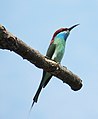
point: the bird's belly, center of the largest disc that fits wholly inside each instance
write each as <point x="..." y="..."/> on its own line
<point x="58" y="55"/>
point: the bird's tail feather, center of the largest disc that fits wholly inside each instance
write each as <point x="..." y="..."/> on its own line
<point x="35" y="99"/>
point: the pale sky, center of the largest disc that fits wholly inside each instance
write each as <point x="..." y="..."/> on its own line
<point x="34" y="22"/>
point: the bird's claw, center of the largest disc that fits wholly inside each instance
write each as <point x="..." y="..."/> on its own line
<point x="47" y="57"/>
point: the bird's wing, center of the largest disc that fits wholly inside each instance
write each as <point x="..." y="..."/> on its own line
<point x="47" y="75"/>
<point x="51" y="50"/>
<point x="46" y="78"/>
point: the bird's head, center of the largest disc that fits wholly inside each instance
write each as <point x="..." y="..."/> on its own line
<point x="63" y="32"/>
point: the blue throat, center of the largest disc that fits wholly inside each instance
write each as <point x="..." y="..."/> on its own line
<point x="62" y="36"/>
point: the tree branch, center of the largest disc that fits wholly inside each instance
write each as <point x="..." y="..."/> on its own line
<point x="12" y="43"/>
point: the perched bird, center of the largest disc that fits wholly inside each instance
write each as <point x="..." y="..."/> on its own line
<point x="55" y="52"/>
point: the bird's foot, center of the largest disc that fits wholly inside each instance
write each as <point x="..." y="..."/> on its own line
<point x="47" y="57"/>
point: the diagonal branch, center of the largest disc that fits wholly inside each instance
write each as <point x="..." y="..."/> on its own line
<point x="12" y="43"/>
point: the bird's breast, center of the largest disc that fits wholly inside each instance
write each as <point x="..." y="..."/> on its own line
<point x="59" y="50"/>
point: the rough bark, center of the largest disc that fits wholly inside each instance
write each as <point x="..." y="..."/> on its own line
<point x="12" y="43"/>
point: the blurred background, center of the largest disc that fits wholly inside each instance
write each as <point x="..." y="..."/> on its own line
<point x="34" y="22"/>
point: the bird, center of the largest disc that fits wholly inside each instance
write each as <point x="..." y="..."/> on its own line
<point x="55" y="52"/>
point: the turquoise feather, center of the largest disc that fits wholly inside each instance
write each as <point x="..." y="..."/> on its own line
<point x="55" y="52"/>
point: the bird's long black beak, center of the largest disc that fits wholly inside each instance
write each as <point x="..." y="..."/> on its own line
<point x="73" y="27"/>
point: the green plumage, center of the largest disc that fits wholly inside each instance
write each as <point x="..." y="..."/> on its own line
<point x="55" y="52"/>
